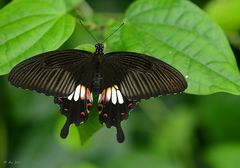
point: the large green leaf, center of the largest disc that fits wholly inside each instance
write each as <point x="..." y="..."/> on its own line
<point x="181" y="34"/>
<point x="29" y="27"/>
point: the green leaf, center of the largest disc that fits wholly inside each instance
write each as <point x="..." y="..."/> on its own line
<point x="181" y="34"/>
<point x="86" y="47"/>
<point x="114" y="42"/>
<point x="29" y="27"/>
<point x="70" y="4"/>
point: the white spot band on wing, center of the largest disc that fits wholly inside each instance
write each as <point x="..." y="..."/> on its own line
<point x="70" y="96"/>
<point x="120" y="98"/>
<point x="77" y="93"/>
<point x="114" y="96"/>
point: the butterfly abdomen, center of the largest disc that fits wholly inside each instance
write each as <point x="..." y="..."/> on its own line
<point x="97" y="82"/>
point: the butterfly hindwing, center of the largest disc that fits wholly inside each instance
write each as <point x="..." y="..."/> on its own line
<point x="140" y="76"/>
<point x="113" y="108"/>
<point x="54" y="73"/>
<point x="75" y="107"/>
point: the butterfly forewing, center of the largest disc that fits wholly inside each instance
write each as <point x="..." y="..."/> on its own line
<point x="54" y="73"/>
<point x="140" y="76"/>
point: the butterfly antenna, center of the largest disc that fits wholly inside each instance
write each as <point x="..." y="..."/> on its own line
<point x="119" y="27"/>
<point x="88" y="31"/>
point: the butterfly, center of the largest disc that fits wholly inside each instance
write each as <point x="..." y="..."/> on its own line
<point x="120" y="79"/>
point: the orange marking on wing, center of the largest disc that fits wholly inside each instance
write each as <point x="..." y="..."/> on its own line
<point x="88" y="94"/>
<point x="103" y="95"/>
<point x="83" y="90"/>
<point x="89" y="106"/>
<point x="82" y="113"/>
<point x="130" y="105"/>
<point x="108" y="94"/>
<point x="100" y="108"/>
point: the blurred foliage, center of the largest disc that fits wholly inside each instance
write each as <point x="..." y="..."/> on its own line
<point x="3" y="140"/>
<point x="224" y="155"/>
<point x="226" y="14"/>
<point x="181" y="131"/>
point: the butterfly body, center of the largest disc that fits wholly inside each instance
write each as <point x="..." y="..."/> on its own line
<point x="120" y="79"/>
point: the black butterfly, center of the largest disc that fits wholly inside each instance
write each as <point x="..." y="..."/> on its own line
<point x="121" y="79"/>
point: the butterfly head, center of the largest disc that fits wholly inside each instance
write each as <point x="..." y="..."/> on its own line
<point x="99" y="48"/>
